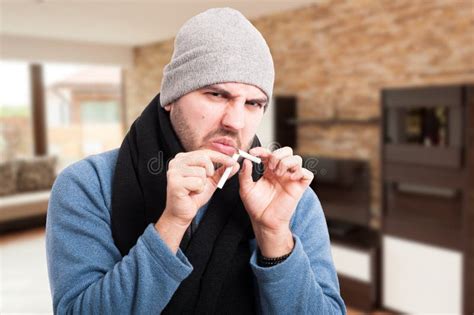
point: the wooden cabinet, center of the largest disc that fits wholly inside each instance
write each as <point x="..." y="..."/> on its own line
<point x="356" y="258"/>
<point x="427" y="217"/>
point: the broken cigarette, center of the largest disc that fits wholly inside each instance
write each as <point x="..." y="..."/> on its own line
<point x="227" y="171"/>
<point x="250" y="157"/>
<point x="236" y="156"/>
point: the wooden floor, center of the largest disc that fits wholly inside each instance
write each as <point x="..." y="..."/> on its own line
<point x="352" y="311"/>
<point x="24" y="286"/>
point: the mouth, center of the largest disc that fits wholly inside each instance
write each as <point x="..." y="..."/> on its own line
<point x="224" y="145"/>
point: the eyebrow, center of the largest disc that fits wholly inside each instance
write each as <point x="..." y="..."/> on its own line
<point x="226" y="93"/>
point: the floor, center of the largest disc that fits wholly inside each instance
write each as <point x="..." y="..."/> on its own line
<point x="24" y="284"/>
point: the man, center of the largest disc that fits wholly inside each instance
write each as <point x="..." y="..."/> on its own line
<point x="144" y="229"/>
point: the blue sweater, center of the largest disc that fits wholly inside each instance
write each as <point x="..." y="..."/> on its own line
<point x="88" y="275"/>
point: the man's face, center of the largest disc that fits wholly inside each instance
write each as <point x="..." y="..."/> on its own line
<point x="222" y="117"/>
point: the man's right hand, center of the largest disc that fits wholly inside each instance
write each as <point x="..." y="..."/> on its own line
<point x="192" y="181"/>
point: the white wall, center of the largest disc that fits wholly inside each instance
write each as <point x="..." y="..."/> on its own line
<point x="46" y="50"/>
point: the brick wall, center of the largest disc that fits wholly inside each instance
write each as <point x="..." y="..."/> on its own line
<point x="336" y="57"/>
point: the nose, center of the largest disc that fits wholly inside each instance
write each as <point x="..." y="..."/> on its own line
<point x="234" y="116"/>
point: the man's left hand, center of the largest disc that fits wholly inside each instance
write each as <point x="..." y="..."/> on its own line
<point x="272" y="200"/>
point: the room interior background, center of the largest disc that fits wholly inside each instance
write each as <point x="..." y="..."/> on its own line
<point x="341" y="68"/>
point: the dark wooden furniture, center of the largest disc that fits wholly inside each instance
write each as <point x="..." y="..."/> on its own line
<point x="284" y="116"/>
<point x="469" y="206"/>
<point x="343" y="187"/>
<point x="364" y="242"/>
<point x="427" y="177"/>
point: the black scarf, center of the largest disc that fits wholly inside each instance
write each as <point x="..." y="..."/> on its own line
<point x="221" y="280"/>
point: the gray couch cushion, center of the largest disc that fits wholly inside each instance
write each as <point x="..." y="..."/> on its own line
<point x="37" y="173"/>
<point x="8" y="178"/>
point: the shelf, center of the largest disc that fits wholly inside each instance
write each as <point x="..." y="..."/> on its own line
<point x="421" y="155"/>
<point x="427" y="96"/>
<point x="356" y="213"/>
<point x="425" y="212"/>
<point x="358" y="237"/>
<point x="358" y="294"/>
<point x="419" y="209"/>
<point x="431" y="234"/>
<point x="424" y="175"/>
<point x="336" y="121"/>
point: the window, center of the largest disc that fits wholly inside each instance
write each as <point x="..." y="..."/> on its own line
<point x="100" y="112"/>
<point x="84" y="110"/>
<point x="16" y="138"/>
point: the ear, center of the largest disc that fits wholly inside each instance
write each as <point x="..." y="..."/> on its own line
<point x="168" y="107"/>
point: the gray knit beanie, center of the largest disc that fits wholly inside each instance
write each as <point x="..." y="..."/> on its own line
<point x="216" y="46"/>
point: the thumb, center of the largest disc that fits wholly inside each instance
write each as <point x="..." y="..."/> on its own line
<point x="245" y="176"/>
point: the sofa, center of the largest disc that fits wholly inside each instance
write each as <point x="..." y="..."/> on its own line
<point x="24" y="191"/>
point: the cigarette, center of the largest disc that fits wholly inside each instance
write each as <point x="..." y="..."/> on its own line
<point x="227" y="171"/>
<point x="250" y="157"/>
<point x="236" y="156"/>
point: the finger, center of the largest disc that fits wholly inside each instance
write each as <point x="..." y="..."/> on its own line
<point x="218" y="157"/>
<point x="193" y="184"/>
<point x="297" y="175"/>
<point x="184" y="161"/>
<point x="279" y="154"/>
<point x="245" y="176"/>
<point x="307" y="175"/>
<point x="193" y="171"/>
<point x="260" y="152"/>
<point x="204" y="158"/>
<point x="199" y="160"/>
<point x="302" y="174"/>
<point x="263" y="153"/>
<point x="290" y="163"/>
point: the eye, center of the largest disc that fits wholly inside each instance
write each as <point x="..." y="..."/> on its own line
<point x="255" y="104"/>
<point x="215" y="94"/>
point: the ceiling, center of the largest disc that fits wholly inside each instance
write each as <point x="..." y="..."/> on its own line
<point x="121" y="22"/>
